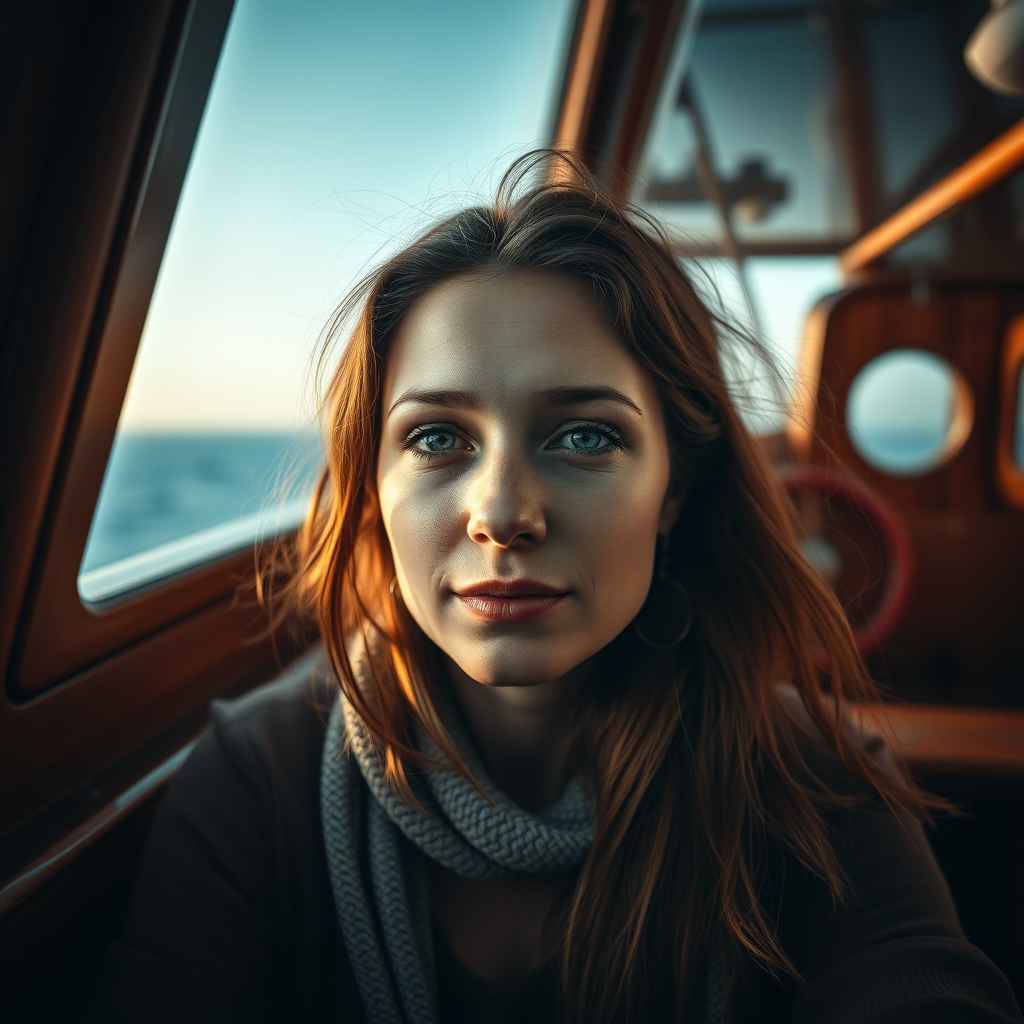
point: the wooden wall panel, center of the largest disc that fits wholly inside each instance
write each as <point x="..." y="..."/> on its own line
<point x="961" y="639"/>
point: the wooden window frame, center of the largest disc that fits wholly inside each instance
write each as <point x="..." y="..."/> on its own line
<point x="62" y="633"/>
<point x="106" y="159"/>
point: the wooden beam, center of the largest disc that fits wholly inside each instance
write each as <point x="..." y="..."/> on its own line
<point x="856" y="116"/>
<point x="995" y="162"/>
<point x="628" y="122"/>
<point x="581" y="80"/>
<point x="614" y="75"/>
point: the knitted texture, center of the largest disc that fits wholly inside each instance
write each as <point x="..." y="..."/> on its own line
<point x="381" y="881"/>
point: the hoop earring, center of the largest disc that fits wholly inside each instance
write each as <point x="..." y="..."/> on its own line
<point x="391" y="589"/>
<point x="674" y="598"/>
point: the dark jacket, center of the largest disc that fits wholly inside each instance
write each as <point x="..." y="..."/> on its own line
<point x="233" y="917"/>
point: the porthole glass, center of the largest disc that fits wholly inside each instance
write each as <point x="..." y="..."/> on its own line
<point x="908" y="411"/>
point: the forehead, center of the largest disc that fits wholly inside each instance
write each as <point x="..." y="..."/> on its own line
<point x="503" y="335"/>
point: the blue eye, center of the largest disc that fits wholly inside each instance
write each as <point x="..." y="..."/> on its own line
<point x="586" y="440"/>
<point x="430" y="441"/>
<point x="439" y="441"/>
<point x="589" y="440"/>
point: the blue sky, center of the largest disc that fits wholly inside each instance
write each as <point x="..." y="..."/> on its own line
<point x="333" y="131"/>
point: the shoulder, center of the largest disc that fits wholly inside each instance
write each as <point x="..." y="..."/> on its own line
<point x="260" y="756"/>
<point x="232" y="911"/>
<point x="883" y="945"/>
<point x="281" y="718"/>
<point x="894" y="886"/>
<point x="243" y="812"/>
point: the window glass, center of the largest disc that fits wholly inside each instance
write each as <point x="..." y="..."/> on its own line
<point x="779" y="293"/>
<point x="915" y="104"/>
<point x="766" y="92"/>
<point x="331" y="130"/>
<point x="763" y="88"/>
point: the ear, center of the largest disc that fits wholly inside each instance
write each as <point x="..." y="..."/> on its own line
<point x="670" y="508"/>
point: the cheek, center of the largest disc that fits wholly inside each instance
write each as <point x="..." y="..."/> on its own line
<point x="615" y="534"/>
<point x="422" y="527"/>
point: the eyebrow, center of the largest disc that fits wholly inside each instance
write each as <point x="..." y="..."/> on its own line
<point x="445" y="399"/>
<point x="580" y="395"/>
<point x="553" y="396"/>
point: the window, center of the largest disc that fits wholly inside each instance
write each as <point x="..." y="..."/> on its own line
<point x="759" y="95"/>
<point x="754" y="106"/>
<point x="772" y="300"/>
<point x="912" y="91"/>
<point x="329" y="130"/>
<point x="908" y="412"/>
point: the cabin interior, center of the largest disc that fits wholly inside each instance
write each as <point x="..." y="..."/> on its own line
<point x="845" y="176"/>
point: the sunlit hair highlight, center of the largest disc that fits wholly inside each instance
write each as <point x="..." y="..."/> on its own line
<point x="702" y="767"/>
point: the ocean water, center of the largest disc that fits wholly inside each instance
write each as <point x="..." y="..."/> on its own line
<point x="898" y="452"/>
<point x="160" y="488"/>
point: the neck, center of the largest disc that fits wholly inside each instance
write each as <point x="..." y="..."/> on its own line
<point x="522" y="734"/>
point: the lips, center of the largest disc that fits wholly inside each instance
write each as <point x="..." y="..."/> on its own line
<point x="510" y="600"/>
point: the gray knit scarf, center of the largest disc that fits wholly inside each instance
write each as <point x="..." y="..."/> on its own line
<point x="381" y="882"/>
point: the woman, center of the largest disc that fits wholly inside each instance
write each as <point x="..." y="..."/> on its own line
<point x="580" y="759"/>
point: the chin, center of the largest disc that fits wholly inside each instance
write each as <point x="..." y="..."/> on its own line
<point x="517" y="663"/>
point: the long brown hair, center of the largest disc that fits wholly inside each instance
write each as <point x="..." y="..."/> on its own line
<point x="697" y="766"/>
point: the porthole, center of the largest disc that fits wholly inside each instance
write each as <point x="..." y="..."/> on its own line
<point x="908" y="412"/>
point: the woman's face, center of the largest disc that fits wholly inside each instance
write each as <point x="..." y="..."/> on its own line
<point x="523" y="474"/>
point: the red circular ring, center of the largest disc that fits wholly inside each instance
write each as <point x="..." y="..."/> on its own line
<point x="898" y="549"/>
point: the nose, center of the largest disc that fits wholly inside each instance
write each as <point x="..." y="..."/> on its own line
<point x="505" y="501"/>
